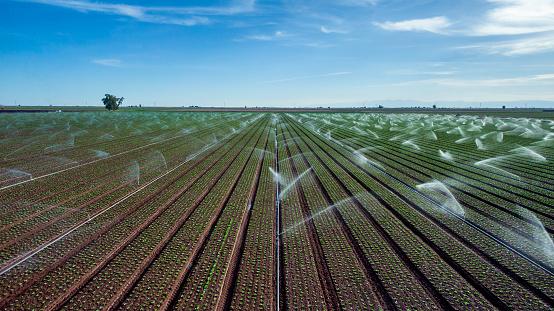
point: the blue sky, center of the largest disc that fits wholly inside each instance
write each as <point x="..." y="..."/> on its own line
<point x="275" y="53"/>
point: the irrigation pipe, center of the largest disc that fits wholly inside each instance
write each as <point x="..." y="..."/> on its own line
<point x="277" y="236"/>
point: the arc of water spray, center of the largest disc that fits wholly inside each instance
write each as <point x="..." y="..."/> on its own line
<point x="446" y="155"/>
<point x="328" y="135"/>
<point x="292" y="183"/>
<point x="100" y="153"/>
<point x="276" y="176"/>
<point x="431" y="135"/>
<point x="485" y="163"/>
<point x="12" y="174"/>
<point x="14" y="171"/>
<point x="363" y="159"/>
<point x="524" y="151"/>
<point x="411" y="144"/>
<point x="294" y="156"/>
<point x="479" y="144"/>
<point x="372" y="133"/>
<point x="463" y="140"/>
<point x="540" y="235"/>
<point x="314" y="215"/>
<point x="397" y="137"/>
<point x="279" y="135"/>
<point x="9" y="154"/>
<point x="438" y="191"/>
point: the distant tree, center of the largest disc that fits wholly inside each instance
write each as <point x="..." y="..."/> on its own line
<point x="111" y="102"/>
<point x="434" y="106"/>
<point x="503" y="107"/>
<point x="380" y="106"/>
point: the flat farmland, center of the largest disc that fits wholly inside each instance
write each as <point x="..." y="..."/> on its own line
<point x="275" y="211"/>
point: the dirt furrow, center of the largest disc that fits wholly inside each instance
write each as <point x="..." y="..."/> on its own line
<point x="176" y="287"/>
<point x="229" y="280"/>
<point x="378" y="288"/>
<point x="324" y="274"/>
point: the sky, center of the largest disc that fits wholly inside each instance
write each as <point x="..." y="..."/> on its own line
<point x="287" y="53"/>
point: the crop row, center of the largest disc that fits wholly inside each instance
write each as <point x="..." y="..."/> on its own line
<point x="133" y="212"/>
<point x="422" y="274"/>
<point x="395" y="206"/>
<point x="167" y="226"/>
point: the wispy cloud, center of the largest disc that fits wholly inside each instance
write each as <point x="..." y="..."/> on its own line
<point x="186" y="16"/>
<point x="260" y="37"/>
<point x="413" y="72"/>
<point x="329" y="30"/>
<point x="542" y="79"/>
<point x="357" y="2"/>
<point x="309" y="77"/>
<point x="108" y="62"/>
<point x="436" y="25"/>
<point x="513" y="17"/>
<point x="532" y="45"/>
<point x="317" y="45"/>
<point x="266" y="37"/>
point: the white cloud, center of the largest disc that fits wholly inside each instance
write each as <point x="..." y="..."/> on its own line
<point x="309" y="77"/>
<point x="513" y="17"/>
<point x="281" y="34"/>
<point x="276" y="35"/>
<point x="436" y="25"/>
<point x="327" y="30"/>
<point x="318" y="45"/>
<point x="108" y="62"/>
<point x="260" y="37"/>
<point x="186" y="16"/>
<point x="128" y="10"/>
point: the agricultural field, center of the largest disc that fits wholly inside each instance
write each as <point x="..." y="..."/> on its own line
<point x="166" y="210"/>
